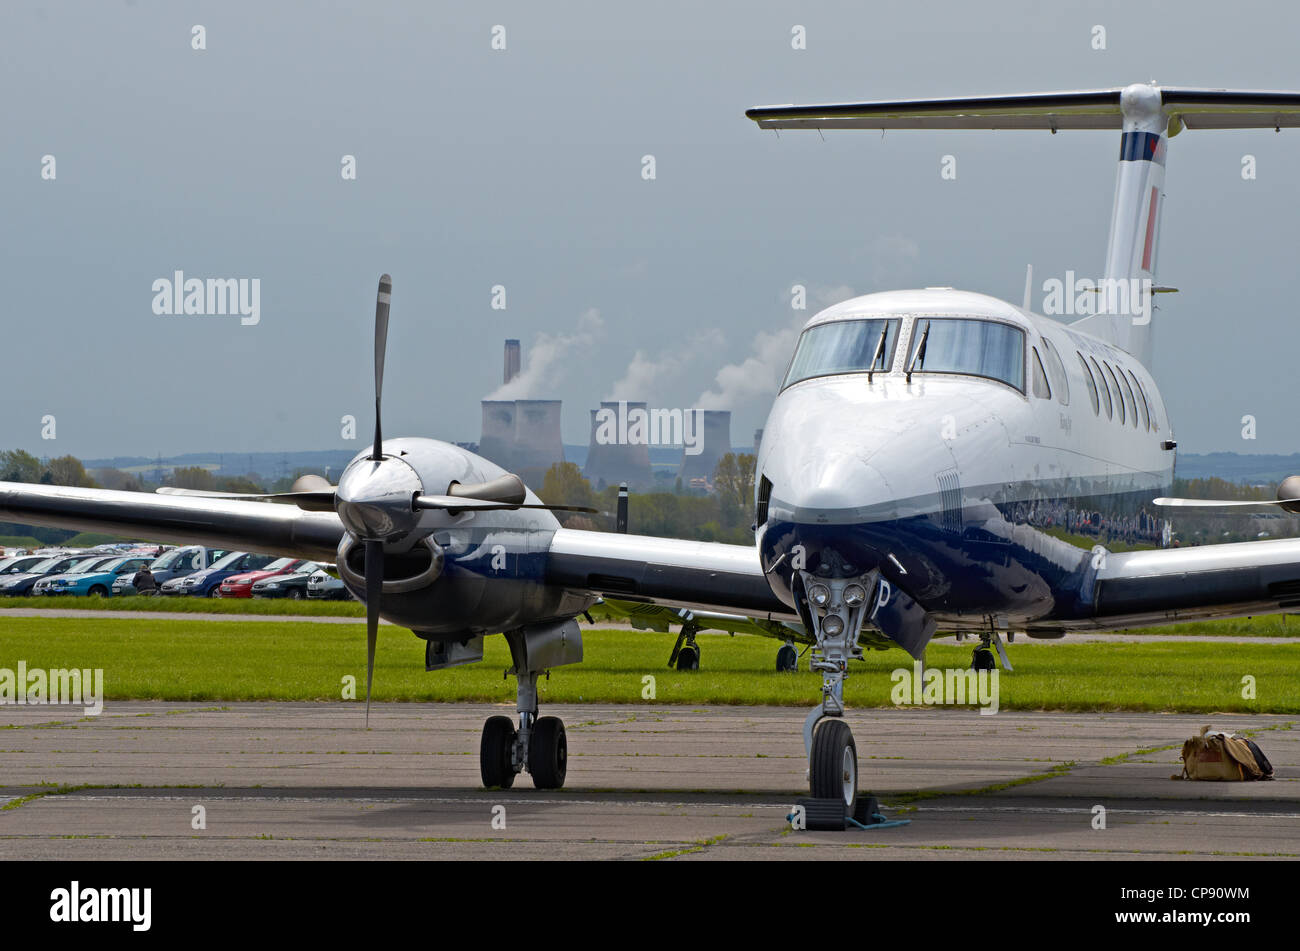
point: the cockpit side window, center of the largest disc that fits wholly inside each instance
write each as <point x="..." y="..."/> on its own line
<point x="1056" y="370"/>
<point x="985" y="348"/>
<point x="1041" y="388"/>
<point x="844" y="346"/>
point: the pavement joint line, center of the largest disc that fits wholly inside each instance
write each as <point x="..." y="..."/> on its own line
<point x="484" y="796"/>
<point x="1116" y="811"/>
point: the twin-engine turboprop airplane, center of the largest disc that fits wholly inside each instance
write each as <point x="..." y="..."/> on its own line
<point x="928" y="459"/>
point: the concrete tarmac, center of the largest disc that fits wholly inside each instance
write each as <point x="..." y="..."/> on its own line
<point x="307" y="780"/>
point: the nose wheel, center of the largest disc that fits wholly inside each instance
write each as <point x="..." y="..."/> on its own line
<point x="833" y="763"/>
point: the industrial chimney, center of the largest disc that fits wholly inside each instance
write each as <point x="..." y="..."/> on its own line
<point x="512" y="360"/>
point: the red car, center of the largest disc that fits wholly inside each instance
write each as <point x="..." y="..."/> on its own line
<point x="241" y="586"/>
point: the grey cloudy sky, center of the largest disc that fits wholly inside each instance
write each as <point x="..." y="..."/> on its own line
<point x="523" y="168"/>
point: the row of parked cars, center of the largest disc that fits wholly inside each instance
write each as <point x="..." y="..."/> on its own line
<point x="192" y="571"/>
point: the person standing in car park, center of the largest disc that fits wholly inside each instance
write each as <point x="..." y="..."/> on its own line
<point x="144" y="583"/>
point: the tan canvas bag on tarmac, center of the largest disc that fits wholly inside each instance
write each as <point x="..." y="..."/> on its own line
<point x="1218" y="756"/>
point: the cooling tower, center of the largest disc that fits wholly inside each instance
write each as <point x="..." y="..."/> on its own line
<point x="612" y="462"/>
<point x="537" y="441"/>
<point x="498" y="438"/>
<point x="715" y="442"/>
<point x="512" y="361"/>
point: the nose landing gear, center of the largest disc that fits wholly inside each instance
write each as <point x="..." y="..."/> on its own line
<point x="836" y="608"/>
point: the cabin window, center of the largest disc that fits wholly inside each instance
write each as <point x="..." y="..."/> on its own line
<point x="844" y="346"/>
<point x="1149" y="412"/>
<point x="1056" y="371"/>
<point x="1041" y="388"/>
<point x="984" y="348"/>
<point x="1104" y="387"/>
<point x="1119" y="397"/>
<point x="1092" y="384"/>
<point x="1128" y="398"/>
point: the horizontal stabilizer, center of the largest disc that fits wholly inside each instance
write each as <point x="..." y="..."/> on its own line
<point x="1082" y="109"/>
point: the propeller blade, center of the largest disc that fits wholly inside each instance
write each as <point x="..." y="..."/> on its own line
<point x="1217" y="503"/>
<point x="374" y="588"/>
<point x="381" y="346"/>
<point x="313" y="501"/>
<point x="452" y="503"/>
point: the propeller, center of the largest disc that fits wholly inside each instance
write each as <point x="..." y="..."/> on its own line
<point x="1222" y="503"/>
<point x="320" y="500"/>
<point x="454" y="504"/>
<point x="374" y="565"/>
<point x="1288" y="498"/>
<point x="374" y="588"/>
<point x="381" y="345"/>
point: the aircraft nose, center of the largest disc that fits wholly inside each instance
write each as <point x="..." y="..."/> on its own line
<point x="836" y="487"/>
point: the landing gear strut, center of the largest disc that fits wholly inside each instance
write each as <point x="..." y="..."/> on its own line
<point x="538" y="745"/>
<point x="982" y="656"/>
<point x="836" y="608"/>
<point x="686" y="653"/>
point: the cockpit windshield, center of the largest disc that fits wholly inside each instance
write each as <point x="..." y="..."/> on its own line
<point x="844" y="346"/>
<point x="973" y="347"/>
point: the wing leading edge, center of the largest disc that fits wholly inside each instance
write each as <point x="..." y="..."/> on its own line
<point x="699" y="576"/>
<point x="1211" y="581"/>
<point x="180" y="520"/>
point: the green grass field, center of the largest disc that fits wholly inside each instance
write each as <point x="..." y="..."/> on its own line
<point x="271" y="660"/>
<point x="1272" y="625"/>
<point x="278" y="606"/>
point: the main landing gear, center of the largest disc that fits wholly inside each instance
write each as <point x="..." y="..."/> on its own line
<point x="686" y="652"/>
<point x="538" y="745"/>
<point x="982" y="657"/>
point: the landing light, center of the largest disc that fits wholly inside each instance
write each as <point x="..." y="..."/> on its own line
<point x="819" y="595"/>
<point x="854" y="595"/>
<point x="833" y="625"/>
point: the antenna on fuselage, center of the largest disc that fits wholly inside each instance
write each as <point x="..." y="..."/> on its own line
<point x="1029" y="287"/>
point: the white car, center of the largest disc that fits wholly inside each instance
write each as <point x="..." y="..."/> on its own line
<point x="324" y="586"/>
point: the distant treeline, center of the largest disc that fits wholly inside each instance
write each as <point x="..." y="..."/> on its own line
<point x="725" y="515"/>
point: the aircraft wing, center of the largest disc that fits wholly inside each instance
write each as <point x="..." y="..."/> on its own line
<point x="1163" y="586"/>
<point x="699" y="576"/>
<point x="180" y="520"/>
<point x="659" y="617"/>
